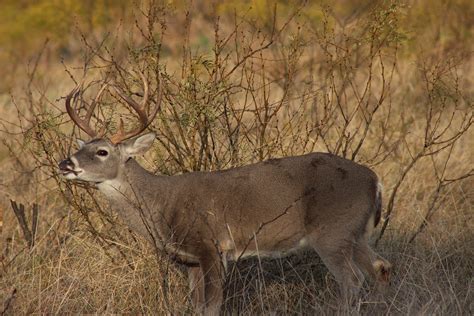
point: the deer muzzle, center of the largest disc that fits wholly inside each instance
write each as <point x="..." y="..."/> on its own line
<point x="66" y="167"/>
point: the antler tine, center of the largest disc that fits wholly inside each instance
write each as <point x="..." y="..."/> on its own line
<point x="92" y="106"/>
<point x="160" y="97"/>
<point x="82" y="124"/>
<point x="141" y="109"/>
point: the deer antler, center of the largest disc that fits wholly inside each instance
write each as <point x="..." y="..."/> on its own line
<point x="141" y="109"/>
<point x="84" y="124"/>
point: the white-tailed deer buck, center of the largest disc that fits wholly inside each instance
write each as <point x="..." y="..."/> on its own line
<point x="203" y="219"/>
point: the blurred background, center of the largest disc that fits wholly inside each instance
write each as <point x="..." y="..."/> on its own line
<point x="51" y="27"/>
<point x="388" y="84"/>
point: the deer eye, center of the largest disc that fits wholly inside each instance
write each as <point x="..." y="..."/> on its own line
<point x="102" y="153"/>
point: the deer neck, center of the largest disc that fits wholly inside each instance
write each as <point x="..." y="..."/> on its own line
<point x="137" y="195"/>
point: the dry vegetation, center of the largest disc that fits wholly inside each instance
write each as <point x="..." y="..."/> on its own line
<point x="242" y="86"/>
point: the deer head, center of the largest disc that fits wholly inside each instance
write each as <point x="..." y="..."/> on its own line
<point x="101" y="158"/>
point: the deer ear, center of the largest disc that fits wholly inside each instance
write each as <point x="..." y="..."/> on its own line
<point x="80" y="143"/>
<point x="139" y="145"/>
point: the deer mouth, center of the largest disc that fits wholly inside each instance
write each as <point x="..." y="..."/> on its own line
<point x="69" y="173"/>
<point x="66" y="172"/>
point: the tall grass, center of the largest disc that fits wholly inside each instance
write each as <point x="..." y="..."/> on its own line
<point x="240" y="89"/>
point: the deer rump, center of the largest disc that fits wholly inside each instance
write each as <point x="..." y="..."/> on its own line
<point x="269" y="208"/>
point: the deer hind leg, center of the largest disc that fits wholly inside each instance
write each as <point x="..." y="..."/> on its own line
<point x="373" y="264"/>
<point x="338" y="258"/>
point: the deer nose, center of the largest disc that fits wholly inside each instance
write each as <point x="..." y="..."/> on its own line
<point x="66" y="164"/>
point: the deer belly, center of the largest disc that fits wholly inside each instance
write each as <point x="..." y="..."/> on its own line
<point x="266" y="252"/>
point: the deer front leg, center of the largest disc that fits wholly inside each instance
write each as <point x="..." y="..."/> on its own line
<point x="196" y="286"/>
<point x="213" y="284"/>
<point x="206" y="285"/>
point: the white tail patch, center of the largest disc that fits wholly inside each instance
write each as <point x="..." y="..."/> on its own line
<point x="378" y="195"/>
<point x="369" y="228"/>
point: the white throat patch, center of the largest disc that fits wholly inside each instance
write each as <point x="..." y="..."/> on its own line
<point x="112" y="188"/>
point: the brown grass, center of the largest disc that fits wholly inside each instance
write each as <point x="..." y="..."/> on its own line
<point x="277" y="87"/>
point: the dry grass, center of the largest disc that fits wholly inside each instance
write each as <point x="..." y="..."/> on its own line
<point x="327" y="87"/>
